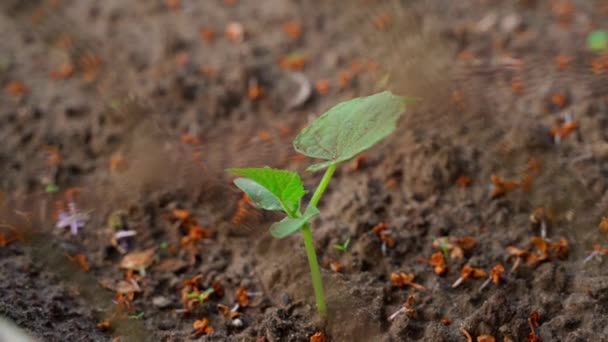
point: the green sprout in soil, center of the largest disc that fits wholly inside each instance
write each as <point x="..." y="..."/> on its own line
<point x="343" y="247"/>
<point x="138" y="316"/>
<point x="201" y="297"/>
<point x="340" y="134"/>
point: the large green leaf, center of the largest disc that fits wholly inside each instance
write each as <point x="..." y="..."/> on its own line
<point x="598" y="41"/>
<point x="259" y="194"/>
<point x="289" y="226"/>
<point x="272" y="185"/>
<point x="350" y="128"/>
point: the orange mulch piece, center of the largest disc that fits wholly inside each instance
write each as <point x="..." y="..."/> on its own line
<point x="65" y="71"/>
<point x="125" y="300"/>
<point x="322" y="87"/>
<point x="243" y="210"/>
<point x="90" y="65"/>
<point x="402" y="279"/>
<point x="358" y="163"/>
<point x="195" y="234"/>
<point x="173" y="4"/>
<point x="81" y="261"/>
<point x="562" y="62"/>
<point x="201" y="327"/>
<point x="117" y="162"/>
<point x="533" y="322"/>
<point x="463" y="181"/>
<point x="242" y="297"/>
<point x="560" y="247"/>
<point x="182" y="215"/>
<point x="599" y="65"/>
<point x="207" y="35"/>
<point x="255" y="92"/>
<point x="334" y="266"/>
<point x="294" y="62"/>
<point x="542" y="247"/>
<point x="559" y="100"/>
<point x="382" y="231"/>
<point x="105" y="324"/>
<point x="293" y="30"/>
<point x="5" y="240"/>
<point x="517" y="86"/>
<point x="496" y="273"/>
<point x="53" y="157"/>
<point x="501" y="186"/>
<point x="344" y="79"/>
<point x="190" y="139"/>
<point x="318" y="337"/>
<point x="564" y="130"/>
<point x="470" y="272"/>
<point x="604" y="225"/>
<point x="65" y="42"/>
<point x="563" y="10"/>
<point x="16" y="89"/>
<point x="485" y="338"/>
<point x="382" y="21"/>
<point x="465" y="56"/>
<point x="438" y="262"/>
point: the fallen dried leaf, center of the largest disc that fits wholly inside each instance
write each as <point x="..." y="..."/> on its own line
<point x="138" y="260"/>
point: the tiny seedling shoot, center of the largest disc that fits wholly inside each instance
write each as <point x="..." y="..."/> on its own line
<point x="340" y="134"/>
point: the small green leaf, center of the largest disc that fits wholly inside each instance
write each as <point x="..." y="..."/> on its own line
<point x="350" y="128"/>
<point x="259" y="194"/>
<point x="289" y="226"/>
<point x="343" y="247"/>
<point x="598" y="40"/>
<point x="273" y="186"/>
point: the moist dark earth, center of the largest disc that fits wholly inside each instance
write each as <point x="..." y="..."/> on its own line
<point x="133" y="109"/>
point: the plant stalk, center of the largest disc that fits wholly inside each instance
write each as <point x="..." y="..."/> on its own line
<point x="315" y="272"/>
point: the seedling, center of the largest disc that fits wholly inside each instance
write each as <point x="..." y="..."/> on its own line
<point x="402" y="279"/>
<point x="342" y="247"/>
<point x="339" y="135"/>
<point x="202" y="296"/>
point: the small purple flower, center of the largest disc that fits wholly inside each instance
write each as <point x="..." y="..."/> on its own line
<point x="72" y="219"/>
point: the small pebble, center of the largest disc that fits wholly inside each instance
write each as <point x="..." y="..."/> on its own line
<point x="161" y="302"/>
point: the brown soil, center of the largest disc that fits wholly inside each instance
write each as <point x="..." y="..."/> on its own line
<point x="110" y="97"/>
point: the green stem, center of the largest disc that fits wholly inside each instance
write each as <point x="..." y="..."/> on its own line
<point x="315" y="272"/>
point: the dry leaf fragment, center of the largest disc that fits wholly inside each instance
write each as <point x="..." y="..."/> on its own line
<point x="80" y="260"/>
<point x="138" y="260"/>
<point x="242" y="297"/>
<point x="318" y="337"/>
<point x="16" y="89"/>
<point x="469" y="272"/>
<point x="322" y="87"/>
<point x="604" y="225"/>
<point x="501" y="186"/>
<point x="438" y="262"/>
<point x="402" y="279"/>
<point x="293" y="30"/>
<point x="207" y="35"/>
<point x="235" y="32"/>
<point x="202" y="327"/>
<point x="485" y="338"/>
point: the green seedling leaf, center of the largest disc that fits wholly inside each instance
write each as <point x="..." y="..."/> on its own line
<point x="259" y="194"/>
<point x="343" y="247"/>
<point x="272" y="189"/>
<point x="350" y="128"/>
<point x="598" y="41"/>
<point x="289" y="226"/>
<point x="51" y="188"/>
